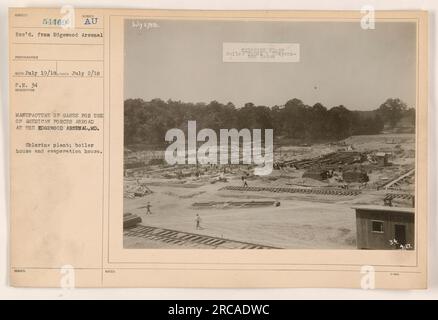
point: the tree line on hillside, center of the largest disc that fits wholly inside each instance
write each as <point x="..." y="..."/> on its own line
<point x="146" y="122"/>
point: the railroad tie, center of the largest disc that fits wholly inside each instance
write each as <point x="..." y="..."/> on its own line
<point x="204" y="240"/>
<point x="215" y="242"/>
<point x="210" y="241"/>
<point x="186" y="237"/>
<point x="163" y="233"/>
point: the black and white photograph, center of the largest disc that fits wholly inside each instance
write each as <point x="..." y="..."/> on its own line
<point x="263" y="134"/>
<point x="200" y="151"/>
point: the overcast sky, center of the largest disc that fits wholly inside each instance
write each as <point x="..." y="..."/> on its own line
<point x="339" y="63"/>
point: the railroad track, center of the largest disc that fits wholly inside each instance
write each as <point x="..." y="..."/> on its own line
<point x="400" y="196"/>
<point x="234" y="204"/>
<point x="395" y="183"/>
<point x="329" y="192"/>
<point x="404" y="196"/>
<point x="175" y="237"/>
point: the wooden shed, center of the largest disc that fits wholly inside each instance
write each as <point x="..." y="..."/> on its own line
<point x="382" y="158"/>
<point x="317" y="174"/>
<point x="378" y="226"/>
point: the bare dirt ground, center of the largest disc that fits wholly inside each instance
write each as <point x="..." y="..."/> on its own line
<point x="294" y="224"/>
<point x="302" y="221"/>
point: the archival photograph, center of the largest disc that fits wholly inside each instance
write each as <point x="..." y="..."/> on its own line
<point x="269" y="134"/>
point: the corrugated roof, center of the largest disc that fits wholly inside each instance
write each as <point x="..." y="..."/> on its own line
<point x="385" y="208"/>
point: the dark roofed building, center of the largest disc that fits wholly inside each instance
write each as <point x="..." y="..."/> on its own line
<point x="382" y="158"/>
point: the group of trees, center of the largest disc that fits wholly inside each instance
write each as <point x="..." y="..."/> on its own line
<point x="394" y="110"/>
<point x="148" y="121"/>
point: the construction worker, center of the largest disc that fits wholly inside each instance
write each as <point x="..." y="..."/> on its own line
<point x="148" y="208"/>
<point x="198" y="222"/>
<point x="245" y="183"/>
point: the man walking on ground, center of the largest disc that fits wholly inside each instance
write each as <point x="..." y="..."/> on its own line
<point x="245" y="184"/>
<point x="148" y="208"/>
<point x="198" y="222"/>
